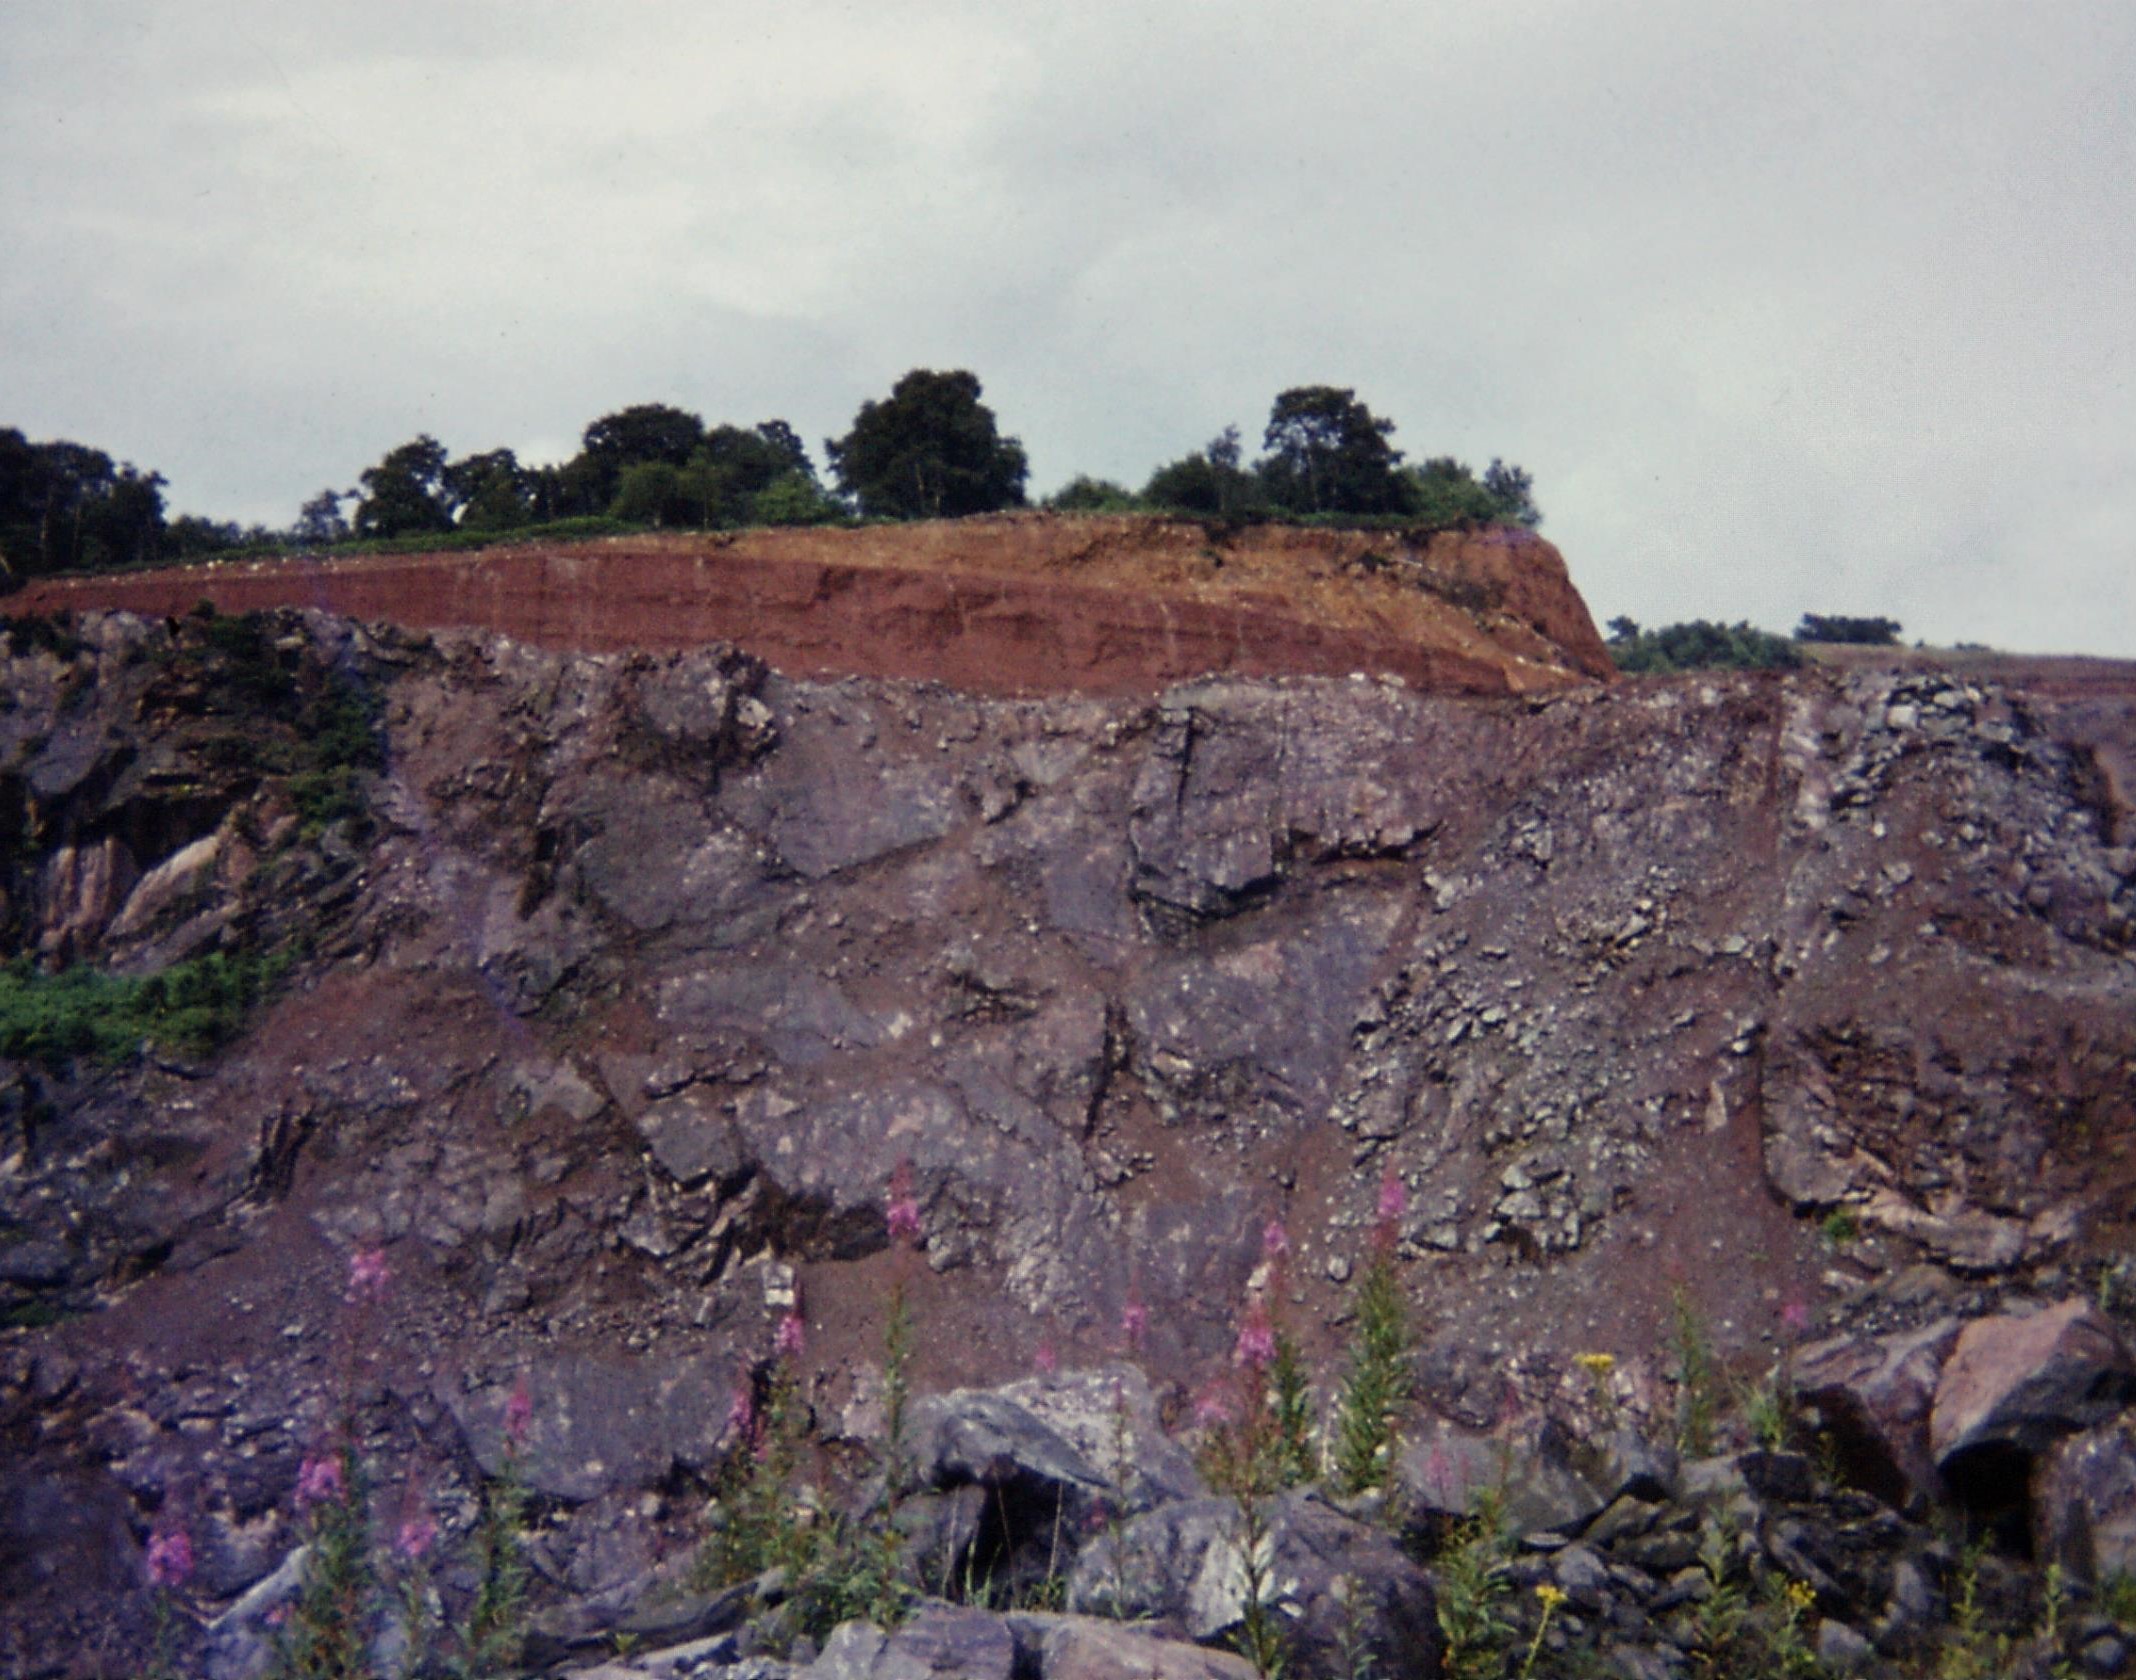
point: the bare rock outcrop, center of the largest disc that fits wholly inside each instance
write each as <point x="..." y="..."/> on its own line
<point x="610" y="994"/>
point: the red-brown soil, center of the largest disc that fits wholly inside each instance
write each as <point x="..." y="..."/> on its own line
<point x="1014" y="604"/>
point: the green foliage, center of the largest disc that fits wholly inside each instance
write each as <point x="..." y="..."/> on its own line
<point x="755" y="1521"/>
<point x="491" y="1638"/>
<point x="324" y="1638"/>
<point x="1242" y="1463"/>
<point x="1970" y="1649"/>
<point x="1768" y="1414"/>
<point x="1743" y="1628"/>
<point x="1472" y="1575"/>
<point x="1084" y="494"/>
<point x="1376" y="1386"/>
<point x="406" y="492"/>
<point x="1839" y="1228"/>
<point x="1329" y="453"/>
<point x="490" y="491"/>
<point x="930" y="450"/>
<point x="576" y="528"/>
<point x="650" y="493"/>
<point x="1697" y="1381"/>
<point x="644" y="432"/>
<point x="2116" y="1597"/>
<point x="65" y="506"/>
<point x="1290" y="1400"/>
<point x="836" y="1569"/>
<point x="1698" y="646"/>
<point x="328" y="745"/>
<point x="793" y="498"/>
<point x="193" y="1007"/>
<point x="1209" y="484"/>
<point x="1512" y="492"/>
<point x="1861" y="632"/>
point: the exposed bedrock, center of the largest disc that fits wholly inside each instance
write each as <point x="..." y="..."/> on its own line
<point x="1809" y="999"/>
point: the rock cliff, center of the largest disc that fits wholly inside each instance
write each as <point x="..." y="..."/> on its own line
<point x="614" y="989"/>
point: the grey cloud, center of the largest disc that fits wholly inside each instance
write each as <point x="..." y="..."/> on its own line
<point x="1787" y="308"/>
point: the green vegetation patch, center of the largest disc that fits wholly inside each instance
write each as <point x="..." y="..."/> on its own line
<point x="1698" y="646"/>
<point x="193" y="1007"/>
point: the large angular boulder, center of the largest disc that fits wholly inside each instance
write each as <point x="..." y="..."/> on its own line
<point x="1552" y="1484"/>
<point x="2024" y="1382"/>
<point x="1009" y="1481"/>
<point x="1333" y="1583"/>
<point x="945" y="1640"/>
<point x="1094" y="1648"/>
<point x="1873" y="1395"/>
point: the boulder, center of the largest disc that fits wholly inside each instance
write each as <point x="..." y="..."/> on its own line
<point x="604" y="1424"/>
<point x="2084" y="1502"/>
<point x="1334" y="1583"/>
<point x="1873" y="1394"/>
<point x="1092" y="1648"/>
<point x="1109" y="1416"/>
<point x="2024" y="1382"/>
<point x="943" y="1639"/>
<point x="985" y="1437"/>
<point x="1444" y="1469"/>
<point x="1037" y="1494"/>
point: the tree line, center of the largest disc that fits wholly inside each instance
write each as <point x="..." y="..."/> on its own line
<point x="1699" y="645"/>
<point x="930" y="449"/>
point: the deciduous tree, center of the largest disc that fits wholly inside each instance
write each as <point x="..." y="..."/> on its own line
<point x="1328" y="453"/>
<point x="406" y="493"/>
<point x="929" y="450"/>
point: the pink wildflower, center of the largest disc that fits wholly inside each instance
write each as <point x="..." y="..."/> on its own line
<point x="1393" y="1198"/>
<point x="903" y="1214"/>
<point x="518" y="1415"/>
<point x="369" y="1276"/>
<point x="1256" y="1346"/>
<point x="415" y="1536"/>
<point x="170" y="1557"/>
<point x="1212" y="1408"/>
<point x="791" y="1337"/>
<point x="742" y="1415"/>
<point x="1046" y="1359"/>
<point x="1275" y="1241"/>
<point x="1795" y="1314"/>
<point x="319" y="1480"/>
<point x="1134" y="1323"/>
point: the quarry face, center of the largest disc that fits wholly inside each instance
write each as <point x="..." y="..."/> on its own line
<point x="641" y="974"/>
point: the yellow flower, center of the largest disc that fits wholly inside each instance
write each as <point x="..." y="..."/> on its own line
<point x="1596" y="1365"/>
<point x="1801" y="1595"/>
<point x="1551" y="1596"/>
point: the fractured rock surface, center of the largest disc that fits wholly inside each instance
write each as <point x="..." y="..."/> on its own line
<point x="643" y="974"/>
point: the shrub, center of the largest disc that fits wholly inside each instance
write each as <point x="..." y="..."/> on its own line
<point x="1698" y="646"/>
<point x="795" y="499"/>
<point x="1376" y="1386"/>
<point x="1861" y="632"/>
<point x="193" y="1006"/>
<point x="1084" y="494"/>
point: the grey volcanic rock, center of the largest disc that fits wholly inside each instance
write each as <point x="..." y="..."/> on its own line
<point x="628" y="984"/>
<point x="941" y="1641"/>
<point x="2085" y="1501"/>
<point x="1874" y="1394"/>
<point x="2024" y="1382"/>
<point x="1330" y="1579"/>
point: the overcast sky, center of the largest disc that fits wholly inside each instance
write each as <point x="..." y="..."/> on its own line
<point x="1788" y="305"/>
